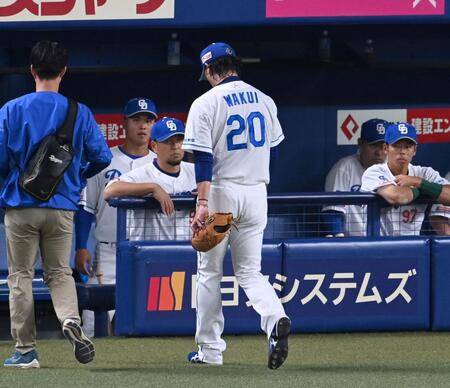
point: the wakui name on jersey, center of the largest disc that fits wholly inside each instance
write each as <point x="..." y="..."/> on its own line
<point x="241" y="98"/>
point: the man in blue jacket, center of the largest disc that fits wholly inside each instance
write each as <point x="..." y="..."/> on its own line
<point x="31" y="224"/>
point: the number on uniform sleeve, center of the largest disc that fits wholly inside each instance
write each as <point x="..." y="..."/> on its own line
<point x="256" y="126"/>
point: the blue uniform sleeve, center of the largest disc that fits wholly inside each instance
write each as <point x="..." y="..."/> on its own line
<point x="203" y="166"/>
<point x="96" y="152"/>
<point x="4" y="162"/>
<point x="83" y="222"/>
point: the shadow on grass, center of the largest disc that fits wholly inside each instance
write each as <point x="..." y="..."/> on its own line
<point x="238" y="370"/>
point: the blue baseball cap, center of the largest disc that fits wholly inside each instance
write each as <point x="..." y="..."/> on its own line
<point x="373" y="131"/>
<point x="212" y="52"/>
<point x="167" y="127"/>
<point x="140" y="105"/>
<point x="400" y="130"/>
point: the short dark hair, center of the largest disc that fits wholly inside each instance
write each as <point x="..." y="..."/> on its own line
<point x="225" y="65"/>
<point x="48" y="59"/>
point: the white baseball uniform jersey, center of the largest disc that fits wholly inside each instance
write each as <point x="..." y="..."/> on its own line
<point x="442" y="210"/>
<point x="238" y="124"/>
<point x="346" y="175"/>
<point x="106" y="220"/>
<point x="92" y="196"/>
<point x="149" y="224"/>
<point x="399" y="220"/>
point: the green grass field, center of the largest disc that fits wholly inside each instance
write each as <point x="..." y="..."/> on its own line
<point x="415" y="359"/>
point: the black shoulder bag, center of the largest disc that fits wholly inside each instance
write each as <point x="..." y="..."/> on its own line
<point x="54" y="155"/>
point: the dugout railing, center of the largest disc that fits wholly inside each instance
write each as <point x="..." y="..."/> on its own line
<point x="295" y="215"/>
<point x="293" y="221"/>
<point x="325" y="284"/>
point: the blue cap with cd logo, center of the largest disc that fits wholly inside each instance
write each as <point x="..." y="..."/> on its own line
<point x="166" y="128"/>
<point x="373" y="131"/>
<point x="140" y="105"/>
<point x="400" y="130"/>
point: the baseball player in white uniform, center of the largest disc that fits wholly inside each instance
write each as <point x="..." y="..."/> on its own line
<point x="166" y="175"/>
<point x="346" y="174"/>
<point x="399" y="183"/>
<point x="441" y="224"/>
<point x="139" y="116"/>
<point x="230" y="129"/>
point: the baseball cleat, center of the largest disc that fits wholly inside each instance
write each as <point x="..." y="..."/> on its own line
<point x="199" y="358"/>
<point x="82" y="346"/>
<point x="24" y="361"/>
<point x="278" y="343"/>
<point x="194" y="358"/>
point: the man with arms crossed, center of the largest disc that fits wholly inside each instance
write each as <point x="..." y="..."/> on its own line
<point x="230" y="130"/>
<point x="399" y="182"/>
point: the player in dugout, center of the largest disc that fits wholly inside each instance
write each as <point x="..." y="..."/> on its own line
<point x="399" y="182"/>
<point x="442" y="224"/>
<point x="345" y="176"/>
<point x="139" y="116"/>
<point x="166" y="175"/>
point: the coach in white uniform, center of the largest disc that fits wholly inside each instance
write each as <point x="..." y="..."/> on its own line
<point x="166" y="175"/>
<point x="346" y="174"/>
<point x="399" y="183"/>
<point x="231" y="129"/>
<point x="139" y="116"/>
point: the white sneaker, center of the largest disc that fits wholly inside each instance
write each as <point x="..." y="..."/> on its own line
<point x="82" y="346"/>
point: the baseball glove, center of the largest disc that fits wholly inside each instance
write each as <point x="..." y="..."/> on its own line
<point x="217" y="226"/>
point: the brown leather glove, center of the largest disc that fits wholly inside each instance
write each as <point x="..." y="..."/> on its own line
<point x="217" y="226"/>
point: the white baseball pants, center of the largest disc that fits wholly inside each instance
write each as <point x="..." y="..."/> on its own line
<point x="249" y="207"/>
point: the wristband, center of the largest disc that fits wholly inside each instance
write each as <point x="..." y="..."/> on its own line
<point x="431" y="189"/>
<point x="415" y="191"/>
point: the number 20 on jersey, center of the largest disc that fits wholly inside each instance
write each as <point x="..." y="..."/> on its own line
<point x="253" y="123"/>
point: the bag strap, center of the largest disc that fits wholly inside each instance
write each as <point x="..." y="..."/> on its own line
<point x="65" y="131"/>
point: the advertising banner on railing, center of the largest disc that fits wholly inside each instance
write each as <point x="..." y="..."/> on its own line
<point x="432" y="124"/>
<point x="337" y="8"/>
<point x="349" y="285"/>
<point x="330" y="286"/>
<point x="71" y="10"/>
<point x="111" y="125"/>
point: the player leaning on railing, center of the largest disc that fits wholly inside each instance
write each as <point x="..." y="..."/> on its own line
<point x="346" y="175"/>
<point x="399" y="182"/>
<point x="166" y="175"/>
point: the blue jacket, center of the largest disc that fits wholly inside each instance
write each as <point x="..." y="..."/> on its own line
<point x="24" y="122"/>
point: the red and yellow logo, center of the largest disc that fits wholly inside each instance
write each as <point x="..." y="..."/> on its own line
<point x="165" y="293"/>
